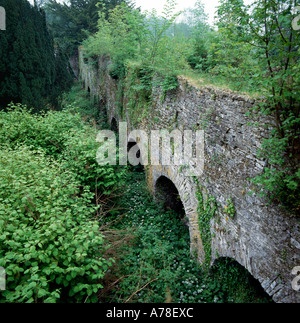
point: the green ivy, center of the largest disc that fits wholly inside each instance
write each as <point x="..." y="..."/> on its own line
<point x="230" y="208"/>
<point x="206" y="211"/>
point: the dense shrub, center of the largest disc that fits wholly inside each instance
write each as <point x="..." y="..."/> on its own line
<point x="50" y="241"/>
<point x="50" y="245"/>
<point x="64" y="136"/>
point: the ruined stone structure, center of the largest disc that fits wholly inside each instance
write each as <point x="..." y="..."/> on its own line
<point x="261" y="237"/>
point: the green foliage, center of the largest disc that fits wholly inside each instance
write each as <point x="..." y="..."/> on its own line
<point x="154" y="264"/>
<point x="50" y="244"/>
<point x="206" y="211"/>
<point x="266" y="28"/>
<point x="200" y="36"/>
<point x="64" y="136"/>
<point x="72" y="21"/>
<point x="230" y="208"/>
<point x="235" y="284"/>
<point x="46" y="131"/>
<point x="50" y="206"/>
<point x="88" y="107"/>
<point x="126" y="35"/>
<point x="279" y="181"/>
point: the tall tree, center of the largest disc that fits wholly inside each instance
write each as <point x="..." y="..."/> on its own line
<point x="267" y="27"/>
<point x="71" y="21"/>
<point x="28" y="62"/>
<point x="200" y="35"/>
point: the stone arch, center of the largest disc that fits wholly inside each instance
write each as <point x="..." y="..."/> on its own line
<point x="259" y="234"/>
<point x="167" y="193"/>
<point x="231" y="266"/>
<point x="187" y="194"/>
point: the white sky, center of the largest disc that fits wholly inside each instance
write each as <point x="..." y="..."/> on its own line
<point x="209" y="5"/>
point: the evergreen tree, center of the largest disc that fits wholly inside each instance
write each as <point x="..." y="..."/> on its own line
<point x="28" y="64"/>
<point x="71" y="22"/>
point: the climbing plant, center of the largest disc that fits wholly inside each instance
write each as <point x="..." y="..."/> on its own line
<point x="206" y="211"/>
<point x="230" y="208"/>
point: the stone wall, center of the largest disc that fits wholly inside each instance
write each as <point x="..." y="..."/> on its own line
<point x="261" y="237"/>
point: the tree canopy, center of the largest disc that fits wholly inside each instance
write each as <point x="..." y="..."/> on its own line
<point x="72" y="21"/>
<point x="32" y="70"/>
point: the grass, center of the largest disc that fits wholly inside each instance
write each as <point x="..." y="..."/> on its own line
<point x="200" y="79"/>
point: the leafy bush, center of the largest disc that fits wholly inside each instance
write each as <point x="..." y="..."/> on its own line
<point x="45" y="131"/>
<point x="79" y="156"/>
<point x="50" y="245"/>
<point x="64" y="136"/>
<point x="280" y="180"/>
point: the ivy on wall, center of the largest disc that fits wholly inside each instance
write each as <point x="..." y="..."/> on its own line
<point x="206" y="211"/>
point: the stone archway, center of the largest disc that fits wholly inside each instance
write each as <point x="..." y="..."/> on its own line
<point x="168" y="195"/>
<point x="170" y="188"/>
<point x="237" y="280"/>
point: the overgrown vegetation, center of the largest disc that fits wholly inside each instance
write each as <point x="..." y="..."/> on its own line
<point x="154" y="263"/>
<point x="71" y="230"/>
<point x="255" y="49"/>
<point x="206" y="211"/>
<point x="129" y="35"/>
<point x="71" y="22"/>
<point x="266" y="30"/>
<point x="52" y="197"/>
<point x="67" y="236"/>
<point x="32" y="70"/>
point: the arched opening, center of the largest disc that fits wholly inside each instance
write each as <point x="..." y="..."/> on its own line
<point x="89" y="90"/>
<point x="133" y="147"/>
<point x="167" y="194"/>
<point x="235" y="283"/>
<point x="114" y="125"/>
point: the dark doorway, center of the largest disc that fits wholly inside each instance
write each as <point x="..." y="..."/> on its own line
<point x="167" y="194"/>
<point x="236" y="283"/>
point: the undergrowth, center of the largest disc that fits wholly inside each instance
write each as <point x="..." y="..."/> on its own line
<point x="154" y="265"/>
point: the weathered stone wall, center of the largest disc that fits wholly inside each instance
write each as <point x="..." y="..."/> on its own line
<point x="260" y="237"/>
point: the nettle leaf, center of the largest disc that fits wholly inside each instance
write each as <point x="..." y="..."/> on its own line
<point x="48" y="218"/>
